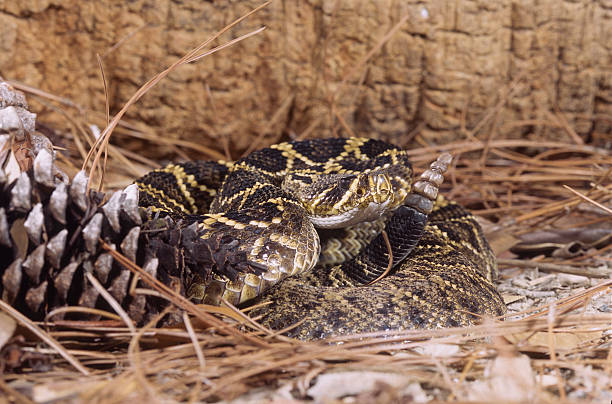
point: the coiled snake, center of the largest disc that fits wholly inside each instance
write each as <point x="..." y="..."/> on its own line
<point x="277" y="212"/>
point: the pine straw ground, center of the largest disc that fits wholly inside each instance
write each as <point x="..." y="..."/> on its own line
<point x="553" y="346"/>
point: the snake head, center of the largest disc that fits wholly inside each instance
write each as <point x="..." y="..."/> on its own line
<point x="340" y="200"/>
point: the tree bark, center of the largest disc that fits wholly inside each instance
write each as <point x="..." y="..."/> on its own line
<point x="449" y="71"/>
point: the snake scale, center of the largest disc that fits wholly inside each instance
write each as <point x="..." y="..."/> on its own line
<point x="266" y="220"/>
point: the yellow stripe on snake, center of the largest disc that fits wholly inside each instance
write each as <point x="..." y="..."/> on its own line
<point x="265" y="221"/>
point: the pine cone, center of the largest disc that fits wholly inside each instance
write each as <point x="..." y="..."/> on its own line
<point x="50" y="231"/>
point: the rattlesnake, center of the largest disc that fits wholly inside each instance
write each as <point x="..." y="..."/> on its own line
<point x="259" y="222"/>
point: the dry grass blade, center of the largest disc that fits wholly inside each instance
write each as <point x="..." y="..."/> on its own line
<point x="102" y="141"/>
<point x="550" y="267"/>
<point x="520" y="184"/>
<point x="77" y="309"/>
<point x="225" y="45"/>
<point x="23" y="320"/>
<point x="175" y="298"/>
<point x="111" y="300"/>
<point x="14" y="394"/>
<point x="243" y="318"/>
<point x="284" y="106"/>
<point x="570" y="301"/>
<point x="107" y="105"/>
<point x="586" y="198"/>
<point x="194" y="340"/>
<point x="199" y="363"/>
<point x="44" y="94"/>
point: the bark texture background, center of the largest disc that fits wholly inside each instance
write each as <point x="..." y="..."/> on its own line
<point x="451" y="71"/>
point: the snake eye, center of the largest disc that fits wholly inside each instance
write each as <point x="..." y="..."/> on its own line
<point x="345" y="182"/>
<point x="360" y="192"/>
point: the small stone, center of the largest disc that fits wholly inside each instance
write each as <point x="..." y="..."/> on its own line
<point x="574" y="280"/>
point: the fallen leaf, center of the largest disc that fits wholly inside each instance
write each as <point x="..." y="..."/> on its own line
<point x="506" y="379"/>
<point x="339" y="384"/>
<point x="438" y="350"/>
<point x="511" y="298"/>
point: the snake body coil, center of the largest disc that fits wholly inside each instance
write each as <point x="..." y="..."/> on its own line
<point x="268" y="216"/>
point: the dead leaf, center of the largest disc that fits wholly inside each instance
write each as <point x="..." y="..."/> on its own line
<point x="511" y="298"/>
<point x="438" y="350"/>
<point x="507" y="379"/>
<point x="501" y="241"/>
<point x="339" y="384"/>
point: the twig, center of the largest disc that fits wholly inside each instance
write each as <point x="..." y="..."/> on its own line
<point x="43" y="94"/>
<point x="368" y="55"/>
<point x="549" y="209"/>
<point x="345" y="125"/>
<point x="199" y="354"/>
<point x="570" y="301"/>
<point x="135" y="357"/>
<point x="549" y="267"/>
<point x="462" y="147"/>
<point x="560" y="117"/>
<point x="586" y="198"/>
